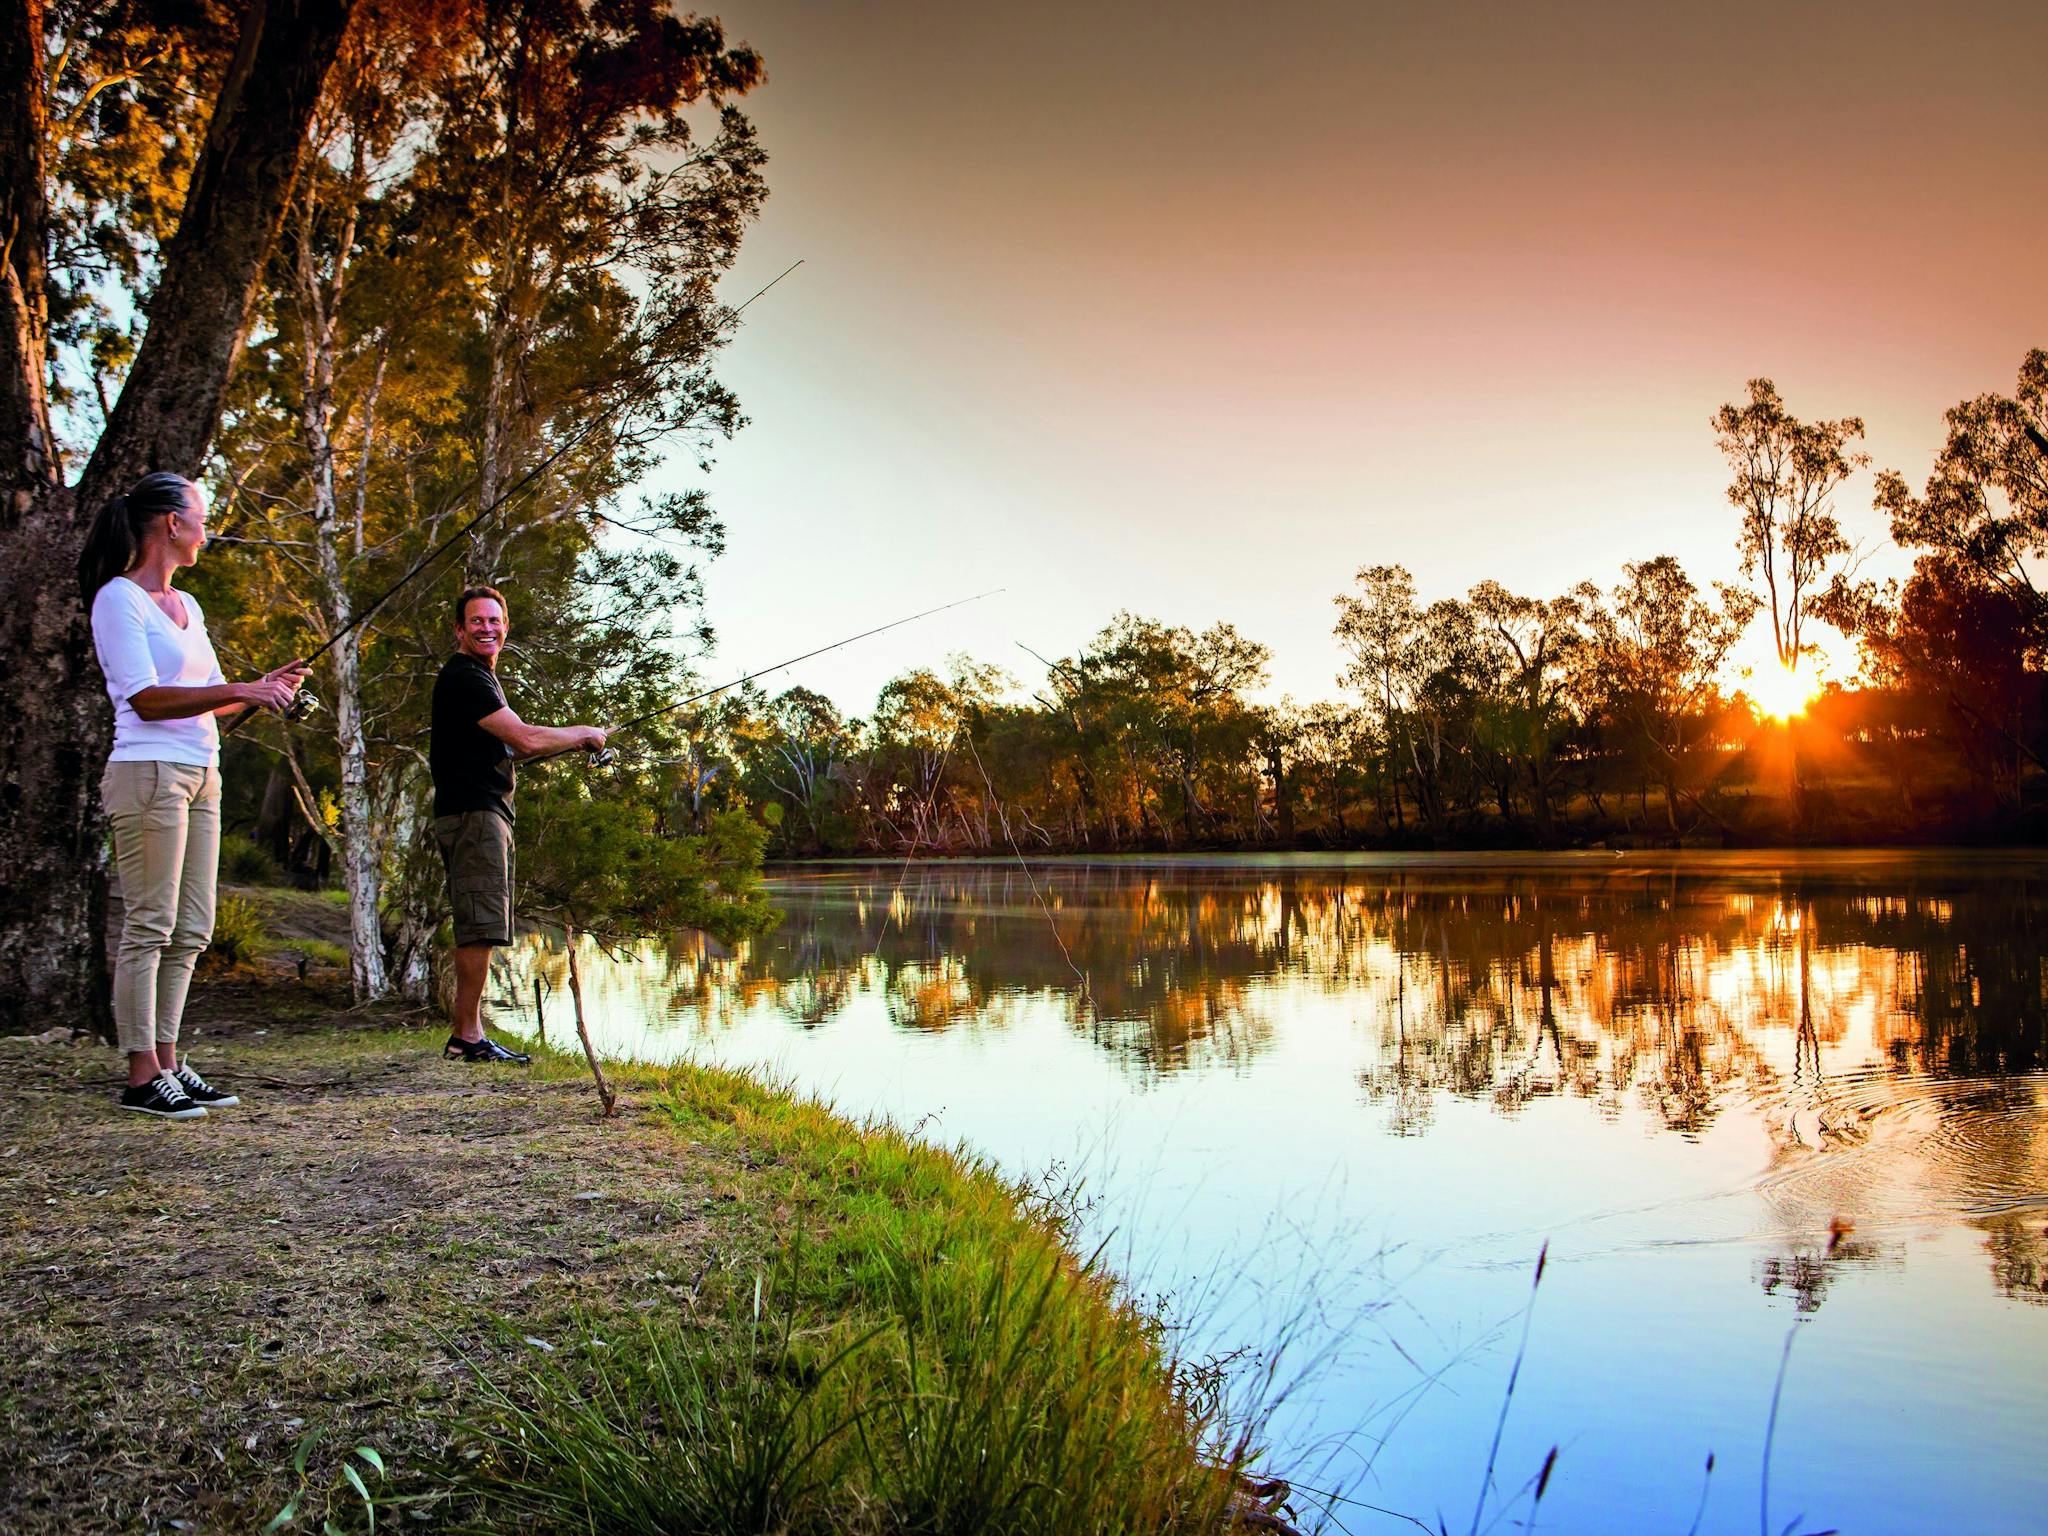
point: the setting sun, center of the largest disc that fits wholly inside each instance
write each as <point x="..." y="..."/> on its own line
<point x="1780" y="693"/>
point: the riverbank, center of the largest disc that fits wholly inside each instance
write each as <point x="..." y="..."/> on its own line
<point x="518" y="1306"/>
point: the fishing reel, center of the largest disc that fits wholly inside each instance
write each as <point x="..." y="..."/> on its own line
<point x="303" y="706"/>
<point x="603" y="757"/>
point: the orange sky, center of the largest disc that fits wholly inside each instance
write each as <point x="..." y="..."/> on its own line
<point x="1194" y="310"/>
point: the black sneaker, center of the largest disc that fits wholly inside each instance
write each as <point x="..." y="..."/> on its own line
<point x="162" y="1095"/>
<point x="200" y="1091"/>
<point x="486" y="1049"/>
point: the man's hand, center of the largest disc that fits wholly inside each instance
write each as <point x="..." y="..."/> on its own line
<point x="589" y="738"/>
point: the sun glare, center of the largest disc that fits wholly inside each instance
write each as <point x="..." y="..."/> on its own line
<point x="1780" y="693"/>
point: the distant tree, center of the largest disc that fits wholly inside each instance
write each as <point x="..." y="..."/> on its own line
<point x="1417" y="670"/>
<point x="1969" y="629"/>
<point x="913" y="737"/>
<point x="1786" y="474"/>
<point x="1951" y="635"/>
<point x="1527" y="650"/>
<point x="1277" y="732"/>
<point x="1376" y="627"/>
<point x="1160" y="722"/>
<point x="1985" y="507"/>
<point x="1442" y="664"/>
<point x="1651" y="660"/>
<point x="797" y="745"/>
<point x="1335" y="749"/>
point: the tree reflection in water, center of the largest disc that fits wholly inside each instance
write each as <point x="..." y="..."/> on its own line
<point x="1669" y="990"/>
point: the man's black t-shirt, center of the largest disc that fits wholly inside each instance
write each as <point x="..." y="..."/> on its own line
<point x="472" y="768"/>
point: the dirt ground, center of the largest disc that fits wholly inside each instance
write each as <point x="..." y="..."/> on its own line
<point x="188" y="1301"/>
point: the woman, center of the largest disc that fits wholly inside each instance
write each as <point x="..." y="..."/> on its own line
<point x="162" y="784"/>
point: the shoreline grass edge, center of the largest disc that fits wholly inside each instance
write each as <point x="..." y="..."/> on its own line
<point x="728" y="1309"/>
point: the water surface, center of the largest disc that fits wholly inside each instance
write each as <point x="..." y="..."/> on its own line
<point x="1342" y="1103"/>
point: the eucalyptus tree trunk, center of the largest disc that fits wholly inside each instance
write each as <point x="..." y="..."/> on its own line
<point x="410" y="958"/>
<point x="511" y="338"/>
<point x="53" y="729"/>
<point x="319" y="302"/>
<point x="55" y="726"/>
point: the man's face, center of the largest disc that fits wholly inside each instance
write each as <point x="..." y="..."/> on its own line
<point x="482" y="631"/>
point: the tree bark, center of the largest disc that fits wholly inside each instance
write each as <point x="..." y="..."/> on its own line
<point x="30" y="463"/>
<point x="319" y="300"/>
<point x="52" y="726"/>
<point x="55" y="726"/>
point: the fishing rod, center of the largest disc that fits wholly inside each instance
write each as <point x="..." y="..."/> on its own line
<point x="605" y="756"/>
<point x="305" y="703"/>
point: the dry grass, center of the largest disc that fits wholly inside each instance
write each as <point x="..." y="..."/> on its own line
<point x="188" y="1300"/>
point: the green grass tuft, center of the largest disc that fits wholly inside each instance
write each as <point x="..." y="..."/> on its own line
<point x="318" y="951"/>
<point x="921" y="1351"/>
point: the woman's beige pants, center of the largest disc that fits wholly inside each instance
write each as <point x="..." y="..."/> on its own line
<point x="166" y="820"/>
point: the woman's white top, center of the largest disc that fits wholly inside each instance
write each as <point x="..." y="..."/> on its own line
<point x="139" y="647"/>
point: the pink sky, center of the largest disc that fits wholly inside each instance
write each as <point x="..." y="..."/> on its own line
<point x="1195" y="310"/>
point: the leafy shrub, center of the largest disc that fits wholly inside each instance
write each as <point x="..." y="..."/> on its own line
<point x="238" y="932"/>
<point x="244" y="862"/>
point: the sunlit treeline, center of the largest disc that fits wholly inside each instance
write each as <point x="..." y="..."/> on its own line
<point x="1499" y="716"/>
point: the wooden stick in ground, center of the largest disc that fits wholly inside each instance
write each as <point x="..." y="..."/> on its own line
<point x="539" y="1015"/>
<point x="604" y="1090"/>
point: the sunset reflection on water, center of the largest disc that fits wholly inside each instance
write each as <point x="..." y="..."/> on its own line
<point x="1737" y="1090"/>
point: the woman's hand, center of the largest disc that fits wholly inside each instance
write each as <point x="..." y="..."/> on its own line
<point x="274" y="690"/>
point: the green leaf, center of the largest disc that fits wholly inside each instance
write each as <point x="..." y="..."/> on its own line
<point x="283" y="1517"/>
<point x="370" y="1455"/>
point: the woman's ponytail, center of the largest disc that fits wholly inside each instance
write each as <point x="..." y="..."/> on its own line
<point x="114" y="541"/>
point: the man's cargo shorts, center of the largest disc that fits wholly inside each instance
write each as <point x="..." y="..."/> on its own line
<point x="477" y="848"/>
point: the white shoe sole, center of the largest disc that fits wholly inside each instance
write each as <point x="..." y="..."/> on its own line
<point x="194" y="1113"/>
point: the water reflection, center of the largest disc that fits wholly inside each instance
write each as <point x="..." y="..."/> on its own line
<point x="1505" y="986"/>
<point x="1734" y="1095"/>
<point x="1882" y="1019"/>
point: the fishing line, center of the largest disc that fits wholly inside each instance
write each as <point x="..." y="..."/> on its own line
<point x="916" y="837"/>
<point x="1003" y="816"/>
<point x="605" y="756"/>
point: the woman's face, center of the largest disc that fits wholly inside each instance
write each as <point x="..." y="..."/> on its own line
<point x="187" y="527"/>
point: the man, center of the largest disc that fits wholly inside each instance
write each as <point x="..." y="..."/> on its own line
<point x="476" y="738"/>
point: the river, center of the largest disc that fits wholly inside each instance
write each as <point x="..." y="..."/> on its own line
<point x="1330" y="1109"/>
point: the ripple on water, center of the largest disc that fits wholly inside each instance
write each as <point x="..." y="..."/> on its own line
<point x="1890" y="1146"/>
